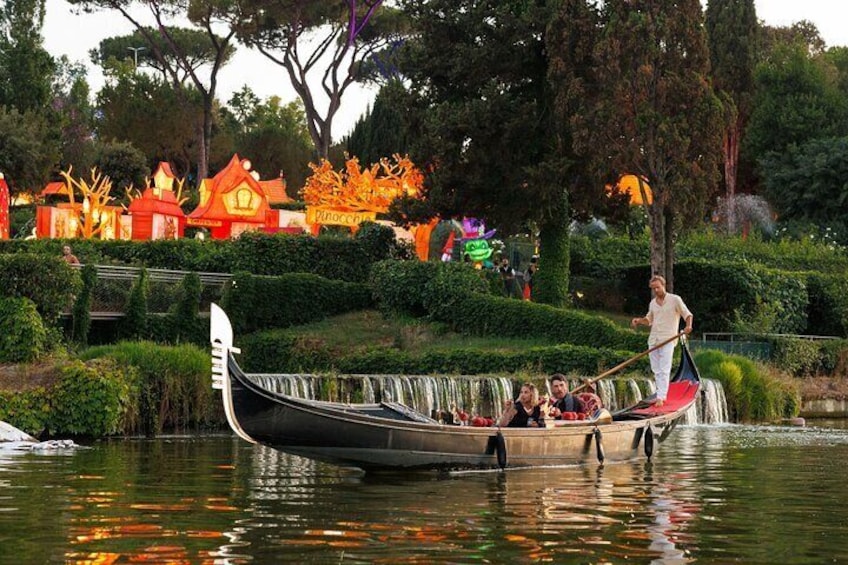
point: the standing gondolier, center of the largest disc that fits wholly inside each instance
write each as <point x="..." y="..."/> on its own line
<point x="664" y="313"/>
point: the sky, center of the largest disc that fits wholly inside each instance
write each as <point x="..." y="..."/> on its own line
<point x="75" y="35"/>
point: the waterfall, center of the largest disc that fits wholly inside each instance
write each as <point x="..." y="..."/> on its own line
<point x="484" y="395"/>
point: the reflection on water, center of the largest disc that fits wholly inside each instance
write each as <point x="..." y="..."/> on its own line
<point x="713" y="494"/>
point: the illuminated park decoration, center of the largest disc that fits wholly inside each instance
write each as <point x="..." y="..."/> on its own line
<point x="355" y="195"/>
<point x="155" y="213"/>
<point x="475" y="240"/>
<point x="87" y="214"/>
<point x="4" y="208"/>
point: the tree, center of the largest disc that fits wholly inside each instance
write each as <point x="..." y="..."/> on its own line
<point x="273" y="135"/>
<point x="797" y="100"/>
<point x="26" y="68"/>
<point x="807" y="181"/>
<point x="28" y="150"/>
<point x="481" y="120"/>
<point x="75" y="115"/>
<point x="732" y="32"/>
<point x="303" y="35"/>
<point x="125" y="166"/>
<point x="146" y="112"/>
<point x="653" y="112"/>
<point x="382" y="131"/>
<point x="194" y="45"/>
<point x="175" y="60"/>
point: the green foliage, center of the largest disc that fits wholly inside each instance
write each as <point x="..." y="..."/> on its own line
<point x="22" y="334"/>
<point x="550" y="284"/>
<point x="26" y="67"/>
<point x="376" y="240"/>
<point x="341" y="258"/>
<point x="796" y="101"/>
<point x="799" y="357"/>
<point x="284" y="351"/>
<point x="753" y="393"/>
<point x="48" y="282"/>
<point x="184" y="316"/>
<point x="123" y="163"/>
<point x="91" y="398"/>
<point x="174" y="389"/>
<point x="453" y="283"/>
<point x="263" y="302"/>
<point x="134" y="323"/>
<point x="397" y="286"/>
<point x="382" y="132"/>
<point x="807" y="181"/>
<point x="27" y="410"/>
<point x="28" y="147"/>
<point x="274" y="135"/>
<point x="81" y="323"/>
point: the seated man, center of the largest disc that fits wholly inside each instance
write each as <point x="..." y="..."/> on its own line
<point x="562" y="400"/>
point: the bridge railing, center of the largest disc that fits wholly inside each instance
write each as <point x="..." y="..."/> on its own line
<point x="114" y="283"/>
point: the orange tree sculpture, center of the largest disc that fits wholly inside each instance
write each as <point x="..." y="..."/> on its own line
<point x="356" y="188"/>
<point x="91" y="214"/>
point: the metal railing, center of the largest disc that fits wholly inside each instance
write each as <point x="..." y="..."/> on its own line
<point x="114" y="283"/>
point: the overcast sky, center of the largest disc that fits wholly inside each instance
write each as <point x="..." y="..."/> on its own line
<point x="75" y="35"/>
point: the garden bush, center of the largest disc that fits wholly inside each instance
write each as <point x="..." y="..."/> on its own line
<point x="91" y="399"/>
<point x="22" y="334"/>
<point x="48" y="281"/>
<point x="173" y="386"/>
<point x="263" y="302"/>
<point x="27" y="410"/>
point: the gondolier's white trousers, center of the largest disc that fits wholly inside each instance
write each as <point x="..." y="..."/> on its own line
<point x="661" y="367"/>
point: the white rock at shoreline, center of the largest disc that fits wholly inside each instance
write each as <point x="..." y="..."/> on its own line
<point x="11" y="433"/>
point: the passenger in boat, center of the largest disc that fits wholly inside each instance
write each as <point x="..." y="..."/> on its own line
<point x="664" y="313"/>
<point x="561" y="400"/>
<point x="524" y="412"/>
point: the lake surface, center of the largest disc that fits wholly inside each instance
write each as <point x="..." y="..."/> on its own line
<point x="713" y="494"/>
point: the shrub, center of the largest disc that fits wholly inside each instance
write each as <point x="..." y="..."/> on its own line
<point x="262" y="302"/>
<point x="184" y="314"/>
<point x="134" y="324"/>
<point x="91" y="398"/>
<point x="451" y="285"/>
<point x="22" y="334"/>
<point x="81" y="323"/>
<point x="174" y="385"/>
<point x="397" y="286"/>
<point x="28" y="410"/>
<point x="827" y="312"/>
<point x="48" y="281"/>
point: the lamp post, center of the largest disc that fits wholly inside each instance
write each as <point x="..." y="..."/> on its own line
<point x="135" y="51"/>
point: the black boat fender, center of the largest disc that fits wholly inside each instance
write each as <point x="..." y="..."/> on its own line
<point x="599" y="445"/>
<point x="500" y="449"/>
<point x="649" y="442"/>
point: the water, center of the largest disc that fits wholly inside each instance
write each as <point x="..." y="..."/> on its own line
<point x="714" y="494"/>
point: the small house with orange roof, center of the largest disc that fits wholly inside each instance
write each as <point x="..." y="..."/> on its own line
<point x="232" y="202"/>
<point x="156" y="214"/>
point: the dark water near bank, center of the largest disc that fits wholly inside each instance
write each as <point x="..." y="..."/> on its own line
<point x="714" y="494"/>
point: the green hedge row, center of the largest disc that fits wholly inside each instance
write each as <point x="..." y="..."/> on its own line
<point x="282" y="351"/>
<point x="261" y="302"/>
<point x="49" y="282"/>
<point x="457" y="295"/>
<point x="341" y="258"/>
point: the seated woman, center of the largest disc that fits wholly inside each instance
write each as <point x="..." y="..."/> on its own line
<point x="524" y="412"/>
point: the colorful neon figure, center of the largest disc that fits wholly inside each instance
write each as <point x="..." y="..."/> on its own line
<point x="478" y="250"/>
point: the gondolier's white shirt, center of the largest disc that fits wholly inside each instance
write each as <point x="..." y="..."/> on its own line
<point x="665" y="319"/>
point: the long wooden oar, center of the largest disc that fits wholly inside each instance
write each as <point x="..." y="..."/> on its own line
<point x="623" y="364"/>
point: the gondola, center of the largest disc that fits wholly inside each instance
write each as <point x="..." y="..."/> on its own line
<point x="387" y="435"/>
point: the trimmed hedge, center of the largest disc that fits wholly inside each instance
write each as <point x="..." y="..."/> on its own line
<point x="340" y="258"/>
<point x="22" y="334"/>
<point x="260" y="302"/>
<point x="282" y="351"/>
<point x="729" y="296"/>
<point x="48" y="281"/>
